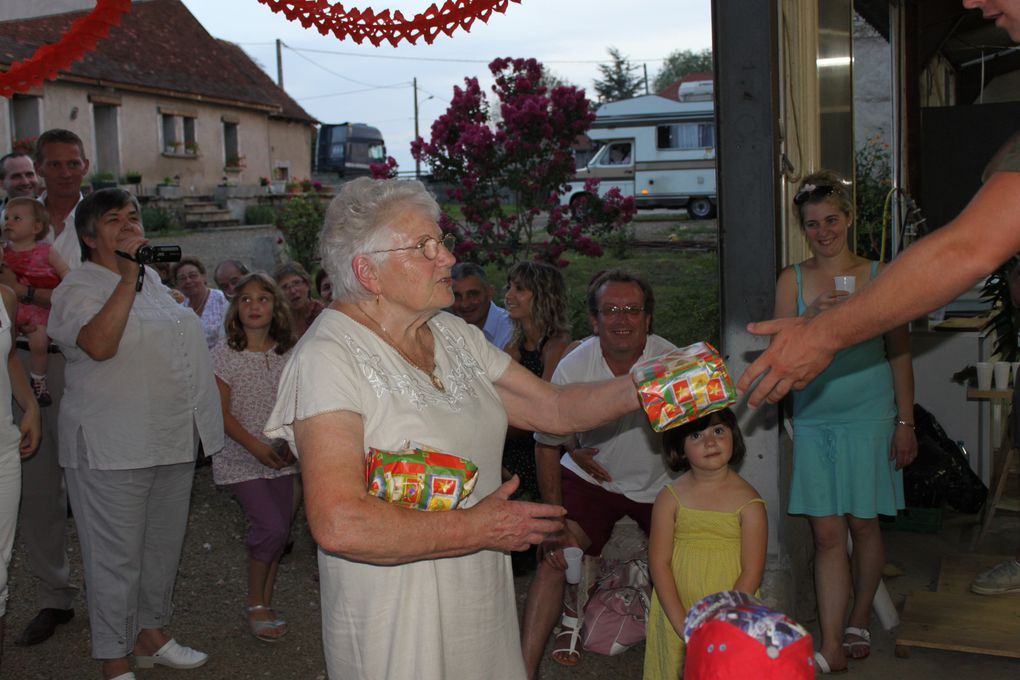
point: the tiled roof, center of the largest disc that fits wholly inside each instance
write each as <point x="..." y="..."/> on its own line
<point x="672" y="91"/>
<point x="159" y="45"/>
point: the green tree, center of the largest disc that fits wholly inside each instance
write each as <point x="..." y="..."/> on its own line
<point x="681" y="62"/>
<point x="618" y="79"/>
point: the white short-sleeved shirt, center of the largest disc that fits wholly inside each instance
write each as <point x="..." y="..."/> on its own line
<point x="432" y="619"/>
<point x="141" y="407"/>
<point x="628" y="447"/>
<point x="66" y="242"/>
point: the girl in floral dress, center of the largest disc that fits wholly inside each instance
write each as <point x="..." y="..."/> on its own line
<point x="258" y="471"/>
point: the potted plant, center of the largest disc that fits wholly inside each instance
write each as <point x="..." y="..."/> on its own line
<point x="191" y="148"/>
<point x="103" y="179"/>
<point x="235" y="162"/>
<point x="132" y="177"/>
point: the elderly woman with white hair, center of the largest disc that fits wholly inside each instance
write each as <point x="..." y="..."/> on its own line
<point x="408" y="593"/>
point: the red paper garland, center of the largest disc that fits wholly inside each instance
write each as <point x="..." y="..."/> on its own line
<point x="360" y="25"/>
<point x="49" y="60"/>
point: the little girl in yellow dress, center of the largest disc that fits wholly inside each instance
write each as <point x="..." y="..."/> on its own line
<point x="709" y="534"/>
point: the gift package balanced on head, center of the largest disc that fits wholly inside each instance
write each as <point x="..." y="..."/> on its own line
<point x="683" y="385"/>
<point x="419" y="478"/>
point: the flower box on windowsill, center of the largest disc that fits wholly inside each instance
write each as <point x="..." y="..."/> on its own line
<point x="179" y="154"/>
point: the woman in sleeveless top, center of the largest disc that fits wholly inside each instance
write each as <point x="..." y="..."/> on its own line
<point x="536" y="300"/>
<point x="853" y="426"/>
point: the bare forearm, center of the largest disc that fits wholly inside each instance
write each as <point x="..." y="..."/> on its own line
<point x="669" y="598"/>
<point x="936" y="269"/>
<point x="898" y="349"/>
<point x="368" y="529"/>
<point x="236" y="431"/>
<point x="584" y="406"/>
<point x="100" y="337"/>
<point x="550" y="480"/>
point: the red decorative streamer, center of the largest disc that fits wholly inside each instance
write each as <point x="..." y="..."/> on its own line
<point x="49" y="60"/>
<point x="366" y="24"/>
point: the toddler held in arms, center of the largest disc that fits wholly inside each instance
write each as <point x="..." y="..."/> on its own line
<point x="709" y="534"/>
<point x="38" y="266"/>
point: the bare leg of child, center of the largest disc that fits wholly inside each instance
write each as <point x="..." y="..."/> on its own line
<point x="38" y="347"/>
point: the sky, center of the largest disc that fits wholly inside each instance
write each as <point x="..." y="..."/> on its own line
<point x="340" y="81"/>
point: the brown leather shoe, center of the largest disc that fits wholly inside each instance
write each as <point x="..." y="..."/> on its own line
<point x="42" y="627"/>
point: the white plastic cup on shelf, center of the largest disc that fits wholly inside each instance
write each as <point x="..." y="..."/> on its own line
<point x="847" y="283"/>
<point x="1000" y="371"/>
<point x="984" y="375"/>
<point x="573" y="556"/>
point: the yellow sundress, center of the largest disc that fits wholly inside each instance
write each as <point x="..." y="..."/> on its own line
<point x="706" y="560"/>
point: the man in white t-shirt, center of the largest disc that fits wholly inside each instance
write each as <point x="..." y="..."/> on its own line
<point x="472" y="301"/>
<point x="61" y="163"/>
<point x="607" y="473"/>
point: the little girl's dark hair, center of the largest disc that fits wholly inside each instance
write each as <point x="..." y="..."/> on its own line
<point x="673" y="440"/>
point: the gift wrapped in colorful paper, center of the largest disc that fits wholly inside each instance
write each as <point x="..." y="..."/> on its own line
<point x="419" y="478"/>
<point x="683" y="385"/>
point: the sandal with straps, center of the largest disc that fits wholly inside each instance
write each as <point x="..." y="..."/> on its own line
<point x="569" y="625"/>
<point x="260" y="628"/>
<point x="865" y="641"/>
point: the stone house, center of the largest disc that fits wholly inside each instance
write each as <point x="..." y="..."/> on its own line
<point x="160" y="97"/>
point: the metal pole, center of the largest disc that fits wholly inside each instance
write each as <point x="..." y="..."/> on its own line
<point x="646" y="78"/>
<point x="417" y="162"/>
<point x="279" y="63"/>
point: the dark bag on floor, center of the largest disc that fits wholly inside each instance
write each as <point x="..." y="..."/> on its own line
<point x="941" y="473"/>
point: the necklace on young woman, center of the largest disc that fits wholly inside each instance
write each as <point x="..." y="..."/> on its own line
<point x="430" y="372"/>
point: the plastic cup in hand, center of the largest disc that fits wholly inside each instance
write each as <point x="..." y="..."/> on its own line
<point x="573" y="557"/>
<point x="1000" y="371"/>
<point x="847" y="283"/>
<point x="984" y="375"/>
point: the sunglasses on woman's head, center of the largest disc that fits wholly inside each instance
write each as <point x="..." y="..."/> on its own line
<point x="813" y="192"/>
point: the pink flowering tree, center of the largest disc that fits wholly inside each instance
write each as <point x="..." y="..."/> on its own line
<point x="505" y="164"/>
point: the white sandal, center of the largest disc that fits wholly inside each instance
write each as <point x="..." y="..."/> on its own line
<point x="865" y="641"/>
<point x="569" y="625"/>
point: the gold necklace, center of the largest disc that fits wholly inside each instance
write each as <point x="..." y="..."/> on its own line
<point x="436" y="381"/>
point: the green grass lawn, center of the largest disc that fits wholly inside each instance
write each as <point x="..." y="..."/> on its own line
<point x="686" y="286"/>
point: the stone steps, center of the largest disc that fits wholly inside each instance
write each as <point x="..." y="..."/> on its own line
<point x="200" y="213"/>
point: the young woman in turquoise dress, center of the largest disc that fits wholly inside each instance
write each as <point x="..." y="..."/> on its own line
<point x="853" y="427"/>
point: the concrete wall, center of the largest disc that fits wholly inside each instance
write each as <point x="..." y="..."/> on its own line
<point x="290" y="147"/>
<point x="260" y="247"/>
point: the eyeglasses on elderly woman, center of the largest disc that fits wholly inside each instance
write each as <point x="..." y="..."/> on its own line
<point x="429" y="246"/>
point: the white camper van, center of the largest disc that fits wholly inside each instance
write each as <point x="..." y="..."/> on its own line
<point x="658" y="150"/>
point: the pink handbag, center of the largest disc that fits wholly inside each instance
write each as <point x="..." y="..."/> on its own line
<point x="616" y="613"/>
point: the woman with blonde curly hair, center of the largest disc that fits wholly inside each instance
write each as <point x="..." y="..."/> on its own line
<point x="258" y="471"/>
<point x="536" y="300"/>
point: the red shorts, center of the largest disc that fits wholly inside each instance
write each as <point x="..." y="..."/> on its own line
<point x="597" y="510"/>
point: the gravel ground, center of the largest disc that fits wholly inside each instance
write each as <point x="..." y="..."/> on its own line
<point x="208" y="616"/>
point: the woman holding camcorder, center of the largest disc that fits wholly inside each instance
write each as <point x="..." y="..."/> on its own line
<point x="139" y="398"/>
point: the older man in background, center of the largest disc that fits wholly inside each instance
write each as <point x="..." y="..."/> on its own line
<point x="17" y="176"/>
<point x="472" y="301"/>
